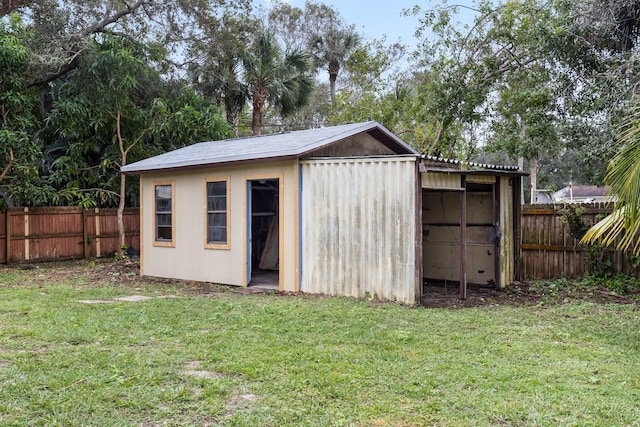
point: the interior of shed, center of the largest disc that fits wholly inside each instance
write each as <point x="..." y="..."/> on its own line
<point x="441" y="235"/>
<point x="264" y="233"/>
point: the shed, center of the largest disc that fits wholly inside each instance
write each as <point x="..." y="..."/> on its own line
<point x="335" y="210"/>
<point x="470" y="222"/>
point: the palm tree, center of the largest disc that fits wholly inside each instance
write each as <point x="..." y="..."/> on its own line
<point x="225" y="84"/>
<point x="621" y="227"/>
<point x="331" y="49"/>
<point x="282" y="80"/>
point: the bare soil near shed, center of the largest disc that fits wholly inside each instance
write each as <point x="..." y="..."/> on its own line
<point x="525" y="293"/>
<point x="104" y="272"/>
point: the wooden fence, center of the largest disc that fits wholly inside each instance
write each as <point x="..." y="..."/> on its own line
<point x="63" y="233"/>
<point x="547" y="251"/>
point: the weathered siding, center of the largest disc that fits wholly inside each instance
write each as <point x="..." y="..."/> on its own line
<point x="441" y="181"/>
<point x="507" y="233"/>
<point x="358" y="227"/>
<point x="361" y="144"/>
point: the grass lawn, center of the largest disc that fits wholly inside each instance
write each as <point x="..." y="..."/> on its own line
<point x="215" y="356"/>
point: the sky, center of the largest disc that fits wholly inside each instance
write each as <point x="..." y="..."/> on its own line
<point x="375" y="18"/>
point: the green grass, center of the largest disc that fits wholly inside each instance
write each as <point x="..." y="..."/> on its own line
<point x="267" y="360"/>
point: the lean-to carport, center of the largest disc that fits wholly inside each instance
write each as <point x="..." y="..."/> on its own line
<point x="469" y="223"/>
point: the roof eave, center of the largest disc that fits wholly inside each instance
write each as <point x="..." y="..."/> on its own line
<point x="180" y="168"/>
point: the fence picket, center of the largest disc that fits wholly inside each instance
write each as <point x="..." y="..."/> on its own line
<point x="48" y="233"/>
<point x="547" y="251"/>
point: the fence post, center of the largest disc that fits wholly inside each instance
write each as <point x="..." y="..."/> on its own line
<point x="26" y="234"/>
<point x="8" y="235"/>
<point x="85" y="234"/>
<point x="97" y="220"/>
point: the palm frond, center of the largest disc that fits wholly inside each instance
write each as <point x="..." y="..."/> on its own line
<point x="621" y="227"/>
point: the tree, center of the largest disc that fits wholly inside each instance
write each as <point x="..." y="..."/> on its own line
<point x="539" y="76"/>
<point x="283" y="80"/>
<point x="526" y="123"/>
<point x="332" y="48"/>
<point x="111" y="106"/>
<point x="19" y="150"/>
<point x="64" y="31"/>
<point x="216" y="71"/>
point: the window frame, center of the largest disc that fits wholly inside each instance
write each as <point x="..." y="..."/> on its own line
<point x="164" y="243"/>
<point x="217" y="245"/>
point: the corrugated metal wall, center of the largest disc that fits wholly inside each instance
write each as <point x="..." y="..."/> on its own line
<point x="358" y="227"/>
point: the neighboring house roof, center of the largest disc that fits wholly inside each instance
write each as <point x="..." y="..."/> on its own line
<point x="266" y="147"/>
<point x="583" y="192"/>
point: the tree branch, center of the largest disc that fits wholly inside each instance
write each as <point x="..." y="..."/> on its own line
<point x="8" y="166"/>
<point x="113" y="18"/>
<point x="72" y="62"/>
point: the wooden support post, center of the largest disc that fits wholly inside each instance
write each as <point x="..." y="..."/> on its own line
<point x="85" y="234"/>
<point x="497" y="227"/>
<point x="26" y="234"/>
<point x="8" y="235"/>
<point x="517" y="220"/>
<point x="463" y="238"/>
<point x="97" y="221"/>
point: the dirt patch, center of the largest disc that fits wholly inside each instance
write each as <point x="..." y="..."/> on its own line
<point x="519" y="294"/>
<point x="130" y="298"/>
<point x="192" y="369"/>
<point x="106" y="272"/>
<point x="97" y="301"/>
<point x="133" y="298"/>
<point x="240" y="402"/>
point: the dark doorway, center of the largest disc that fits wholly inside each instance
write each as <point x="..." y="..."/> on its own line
<point x="264" y="234"/>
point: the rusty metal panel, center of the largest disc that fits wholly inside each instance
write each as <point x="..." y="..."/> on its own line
<point x="441" y="181"/>
<point x="358" y="227"/>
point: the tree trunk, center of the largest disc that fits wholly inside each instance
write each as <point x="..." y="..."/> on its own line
<point x="259" y="97"/>
<point x="6" y="169"/>
<point x="334" y="69"/>
<point x="521" y="168"/>
<point x="533" y="170"/>
<point x="123" y="177"/>
<point x="332" y="87"/>
<point x="233" y="119"/>
<point x="120" y="214"/>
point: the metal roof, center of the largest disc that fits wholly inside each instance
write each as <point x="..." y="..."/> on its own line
<point x="471" y="166"/>
<point x="265" y="147"/>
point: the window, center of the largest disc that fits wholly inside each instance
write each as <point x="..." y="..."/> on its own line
<point x="217" y="228"/>
<point x="163" y="196"/>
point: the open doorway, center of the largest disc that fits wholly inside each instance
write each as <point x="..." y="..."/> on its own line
<point x="442" y="236"/>
<point x="263" y="232"/>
